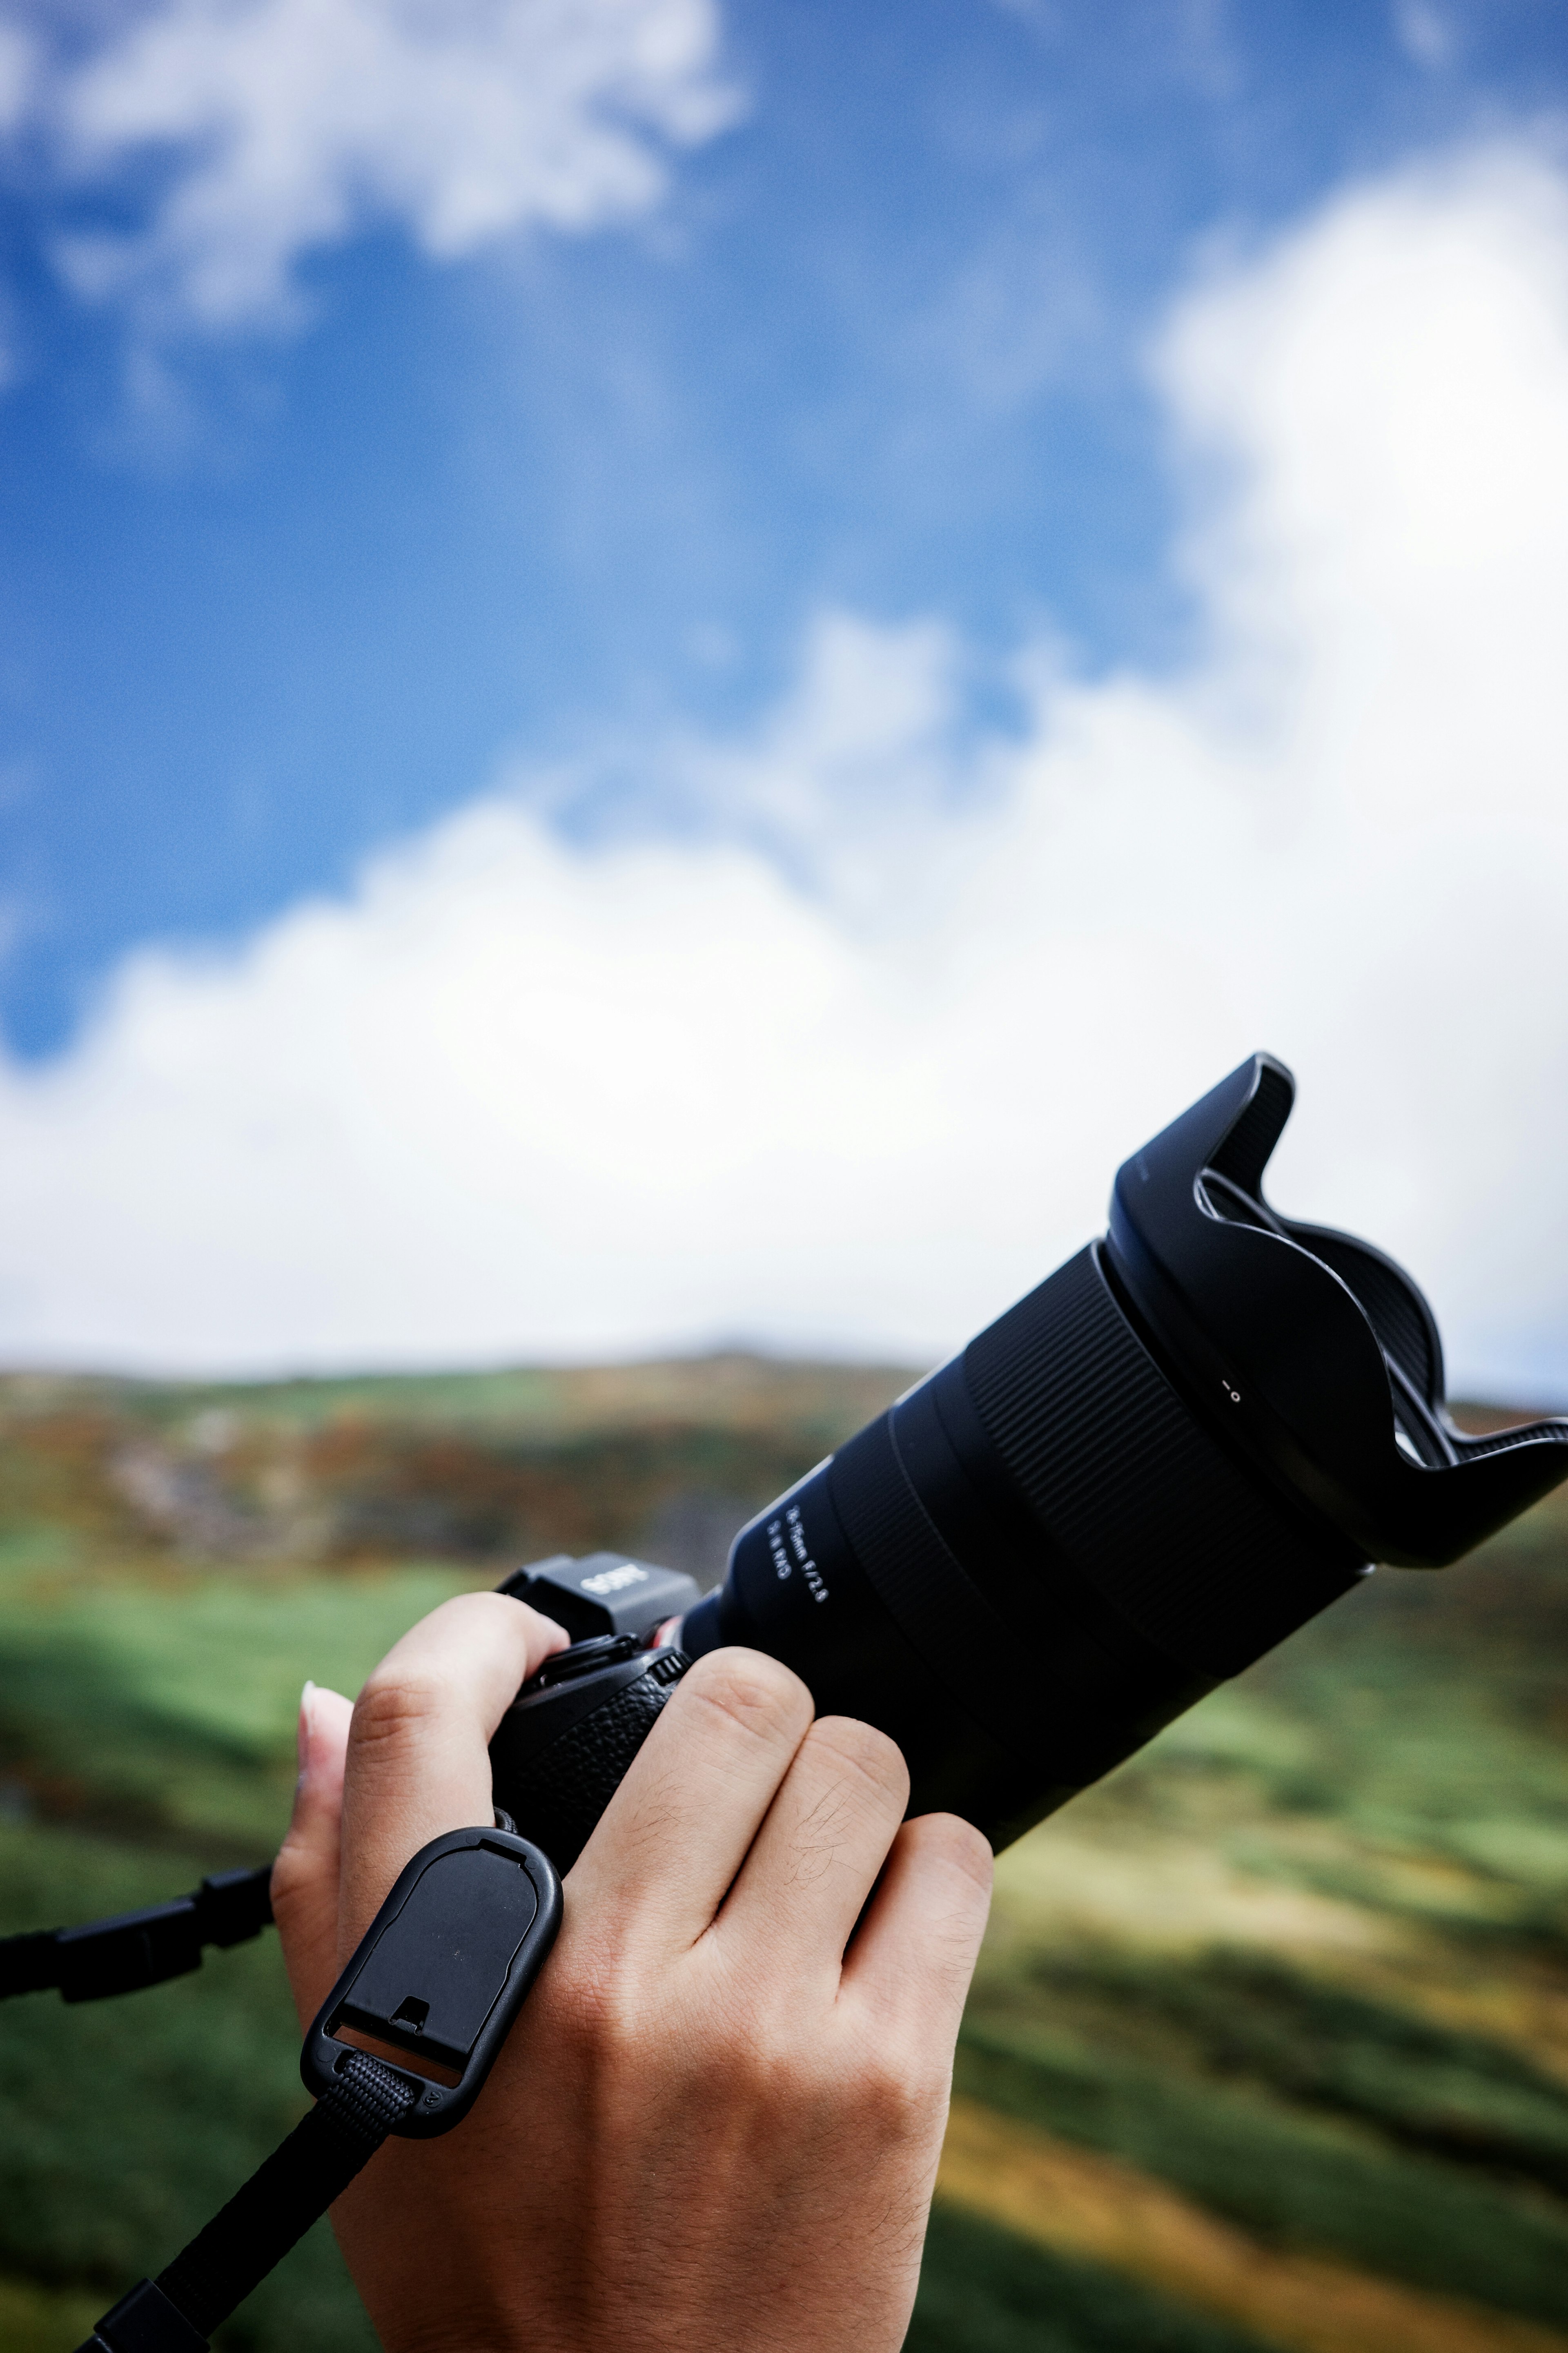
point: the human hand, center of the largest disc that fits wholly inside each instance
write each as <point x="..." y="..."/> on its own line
<point x="711" y="2126"/>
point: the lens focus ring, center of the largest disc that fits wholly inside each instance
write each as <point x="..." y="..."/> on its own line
<point x="1194" y="1551"/>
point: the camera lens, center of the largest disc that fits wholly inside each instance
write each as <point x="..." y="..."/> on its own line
<point x="1181" y="1446"/>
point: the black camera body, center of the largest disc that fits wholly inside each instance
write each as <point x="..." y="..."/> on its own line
<point x="1185" y="1443"/>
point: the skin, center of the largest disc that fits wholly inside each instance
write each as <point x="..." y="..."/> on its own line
<point x="712" y="2126"/>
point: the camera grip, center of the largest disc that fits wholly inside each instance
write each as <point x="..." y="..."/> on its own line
<point x="563" y="1746"/>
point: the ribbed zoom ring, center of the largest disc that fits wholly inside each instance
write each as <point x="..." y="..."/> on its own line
<point x="965" y="1643"/>
<point x="1199" y="1556"/>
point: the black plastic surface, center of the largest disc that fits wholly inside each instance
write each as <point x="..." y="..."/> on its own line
<point x="133" y="1949"/>
<point x="144" y="2321"/>
<point x="444" y="1968"/>
<point x="434" y="1977"/>
<point x="602" y="1593"/>
<point x="1266" y="1327"/>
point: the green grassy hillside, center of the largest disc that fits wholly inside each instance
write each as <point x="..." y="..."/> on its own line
<point x="1275" y="2022"/>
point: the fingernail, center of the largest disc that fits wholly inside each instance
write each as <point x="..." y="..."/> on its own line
<point x="306" y="1726"/>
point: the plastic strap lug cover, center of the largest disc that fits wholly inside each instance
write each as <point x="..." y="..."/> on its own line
<point x="443" y="1970"/>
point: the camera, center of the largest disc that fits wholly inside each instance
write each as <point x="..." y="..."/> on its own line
<point x="1181" y="1446"/>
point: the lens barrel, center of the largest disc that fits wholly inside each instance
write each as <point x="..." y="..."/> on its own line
<point x="1029" y="1565"/>
<point x="1180" y="1447"/>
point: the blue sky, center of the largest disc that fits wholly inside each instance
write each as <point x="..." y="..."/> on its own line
<point x="879" y="346"/>
<point x="330" y="518"/>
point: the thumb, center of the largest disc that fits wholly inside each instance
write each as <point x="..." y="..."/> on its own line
<point x="305" y="1875"/>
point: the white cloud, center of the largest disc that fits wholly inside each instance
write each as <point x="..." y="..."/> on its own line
<point x="510" y="1098"/>
<point x="18" y="66"/>
<point x="1424" y="33"/>
<point x="285" y="126"/>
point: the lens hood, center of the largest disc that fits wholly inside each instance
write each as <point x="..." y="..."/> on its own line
<point x="1175" y="1451"/>
<point x="1310" y="1352"/>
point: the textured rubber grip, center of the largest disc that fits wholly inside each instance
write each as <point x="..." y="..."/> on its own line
<point x="558" y="1796"/>
<point x="1196" y="1553"/>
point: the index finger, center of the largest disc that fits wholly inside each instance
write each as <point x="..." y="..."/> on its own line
<point x="417" y="1756"/>
<point x="676" y="1829"/>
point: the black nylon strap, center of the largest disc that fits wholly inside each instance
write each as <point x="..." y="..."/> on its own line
<point x="29" y="1963"/>
<point x="145" y="2322"/>
<point x="138" y="1949"/>
<point x="474" y="1942"/>
<point x="177" y="2312"/>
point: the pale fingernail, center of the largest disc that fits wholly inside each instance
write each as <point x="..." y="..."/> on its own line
<point x="306" y="1726"/>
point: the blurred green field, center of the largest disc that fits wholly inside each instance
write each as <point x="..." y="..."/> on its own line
<point x="1270" y="2043"/>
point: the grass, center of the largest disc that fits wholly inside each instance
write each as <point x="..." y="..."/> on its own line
<point x="983" y="2290"/>
<point x="123" y="2123"/>
<point x="164" y="1704"/>
<point x="1304" y="1962"/>
<point x="1256" y="2023"/>
<point x="1293" y="2180"/>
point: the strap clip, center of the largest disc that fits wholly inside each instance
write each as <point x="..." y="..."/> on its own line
<point x="145" y="2321"/>
<point x="143" y="1948"/>
<point x="442" y="1971"/>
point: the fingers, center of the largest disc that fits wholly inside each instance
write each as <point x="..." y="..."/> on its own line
<point x="677" y="1831"/>
<point x="816" y="1856"/>
<point x="305" y="1875"/>
<point x="915" y="1954"/>
<point x="417" y="1763"/>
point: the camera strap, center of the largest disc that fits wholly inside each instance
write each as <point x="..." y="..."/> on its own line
<point x="439" y="1975"/>
<point x="177" y="2312"/>
<point x="134" y="1949"/>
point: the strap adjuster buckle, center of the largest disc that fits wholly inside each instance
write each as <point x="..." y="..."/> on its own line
<point x="143" y="1948"/>
<point x="132" y="1950"/>
<point x="442" y="1971"/>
